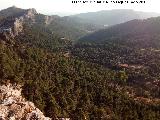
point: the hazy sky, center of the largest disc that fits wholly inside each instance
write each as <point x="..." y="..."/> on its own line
<point x="67" y="7"/>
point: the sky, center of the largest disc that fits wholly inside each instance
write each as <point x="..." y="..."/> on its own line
<point x="66" y="7"/>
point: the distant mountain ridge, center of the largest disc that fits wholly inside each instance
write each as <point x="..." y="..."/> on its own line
<point x="131" y="46"/>
<point x="130" y="31"/>
<point x="29" y="26"/>
<point x="72" y="27"/>
<point x="13" y="19"/>
<point x="112" y="17"/>
<point x="62" y="26"/>
<point x="111" y="75"/>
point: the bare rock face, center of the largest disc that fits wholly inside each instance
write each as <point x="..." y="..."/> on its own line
<point x="18" y="26"/>
<point x="48" y="19"/>
<point x="14" y="107"/>
<point x="31" y="13"/>
<point x="18" y="23"/>
<point x="14" y="26"/>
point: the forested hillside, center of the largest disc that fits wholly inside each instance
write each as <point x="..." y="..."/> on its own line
<point x="68" y="87"/>
<point x="113" y="17"/>
<point x="93" y="79"/>
<point x="130" y="32"/>
<point x="132" y="47"/>
<point x="67" y="27"/>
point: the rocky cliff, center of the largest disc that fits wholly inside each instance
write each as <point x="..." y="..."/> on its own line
<point x="14" y="107"/>
<point x="13" y="24"/>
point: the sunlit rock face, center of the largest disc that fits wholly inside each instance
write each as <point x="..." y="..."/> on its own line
<point x="14" y="25"/>
<point x="14" y="107"/>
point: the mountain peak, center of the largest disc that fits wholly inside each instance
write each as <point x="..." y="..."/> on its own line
<point x="13" y="6"/>
<point x="14" y="18"/>
<point x="32" y="10"/>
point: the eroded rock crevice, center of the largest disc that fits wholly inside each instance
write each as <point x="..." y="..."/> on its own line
<point x="14" y="107"/>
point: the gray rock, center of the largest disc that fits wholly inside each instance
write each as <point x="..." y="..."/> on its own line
<point x="15" y="107"/>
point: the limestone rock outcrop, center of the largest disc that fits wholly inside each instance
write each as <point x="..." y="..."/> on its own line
<point x="14" y="24"/>
<point x="48" y="19"/>
<point x="14" y="107"/>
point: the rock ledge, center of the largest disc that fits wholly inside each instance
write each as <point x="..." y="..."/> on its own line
<point x="14" y="107"/>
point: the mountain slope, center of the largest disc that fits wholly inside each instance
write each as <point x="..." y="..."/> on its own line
<point x="11" y="11"/>
<point x="112" y="17"/>
<point x="132" y="47"/>
<point x="130" y="32"/>
<point x="61" y="26"/>
<point x="66" y="87"/>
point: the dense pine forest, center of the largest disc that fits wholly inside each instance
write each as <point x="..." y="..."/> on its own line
<point x="68" y="87"/>
<point x="106" y="75"/>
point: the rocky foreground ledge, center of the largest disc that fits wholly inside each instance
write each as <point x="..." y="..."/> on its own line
<point x="14" y="107"/>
